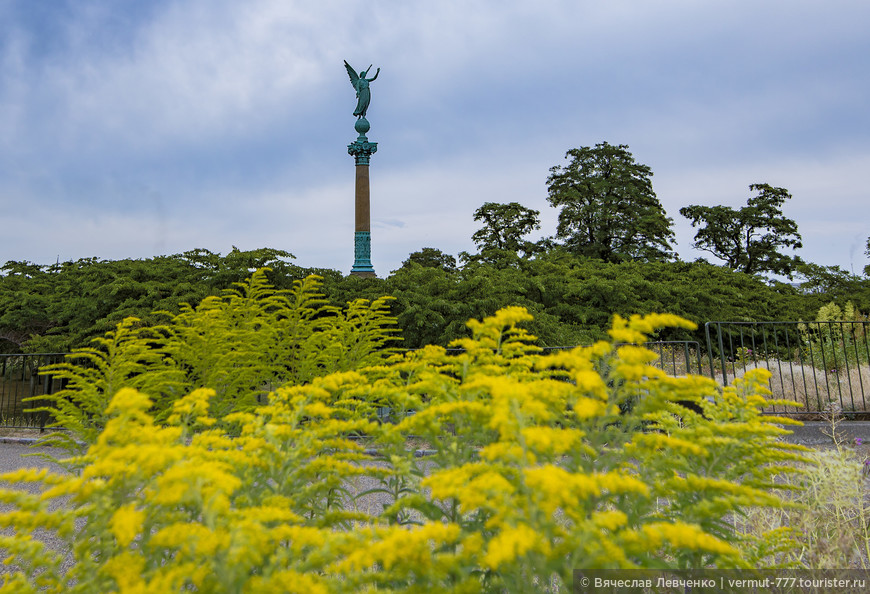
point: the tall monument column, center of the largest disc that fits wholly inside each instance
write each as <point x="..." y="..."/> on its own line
<point x="361" y="150"/>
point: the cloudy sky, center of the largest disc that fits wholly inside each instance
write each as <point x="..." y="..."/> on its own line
<point x="130" y="129"/>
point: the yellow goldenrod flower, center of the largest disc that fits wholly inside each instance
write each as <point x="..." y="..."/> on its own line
<point x="126" y="569"/>
<point x="587" y="408"/>
<point x="288" y="582"/>
<point x="510" y="543"/>
<point x="685" y="536"/>
<point x="126" y="524"/>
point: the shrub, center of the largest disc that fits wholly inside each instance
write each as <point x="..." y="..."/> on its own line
<point x="533" y="472"/>
<point x="836" y="340"/>
<point x="240" y="345"/>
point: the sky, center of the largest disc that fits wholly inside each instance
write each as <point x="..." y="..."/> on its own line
<point x="133" y="129"/>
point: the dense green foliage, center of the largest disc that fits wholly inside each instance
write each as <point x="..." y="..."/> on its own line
<point x="832" y="283"/>
<point x="572" y="298"/>
<point x="57" y="307"/>
<point x="748" y="239"/>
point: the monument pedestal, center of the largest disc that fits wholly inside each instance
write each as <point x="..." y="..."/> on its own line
<point x="361" y="150"/>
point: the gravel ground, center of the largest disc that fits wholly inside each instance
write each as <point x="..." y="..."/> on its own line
<point x="16" y="453"/>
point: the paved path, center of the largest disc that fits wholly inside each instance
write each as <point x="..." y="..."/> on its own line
<point x="817" y="433"/>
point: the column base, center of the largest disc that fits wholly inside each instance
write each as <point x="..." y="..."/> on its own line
<point x="363" y="273"/>
<point x="362" y="263"/>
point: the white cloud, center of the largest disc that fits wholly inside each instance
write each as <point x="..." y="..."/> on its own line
<point x="198" y="73"/>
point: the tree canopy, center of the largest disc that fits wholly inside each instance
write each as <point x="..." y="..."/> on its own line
<point x="504" y="226"/>
<point x="431" y="258"/>
<point x="608" y="208"/>
<point x="56" y="307"/>
<point x="748" y="239"/>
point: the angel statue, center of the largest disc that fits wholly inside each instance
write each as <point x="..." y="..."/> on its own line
<point x="361" y="84"/>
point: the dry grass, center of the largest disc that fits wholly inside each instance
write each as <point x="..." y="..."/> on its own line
<point x="831" y="521"/>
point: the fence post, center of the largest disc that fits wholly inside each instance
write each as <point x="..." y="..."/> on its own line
<point x="46" y="390"/>
<point x="721" y="351"/>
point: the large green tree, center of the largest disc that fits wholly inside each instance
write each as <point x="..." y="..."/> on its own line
<point x="500" y="241"/>
<point x="748" y="239"/>
<point x="608" y="208"/>
<point x="504" y="226"/>
<point x="823" y="284"/>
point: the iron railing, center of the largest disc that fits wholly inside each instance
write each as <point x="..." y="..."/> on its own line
<point x="823" y="366"/>
<point x="675" y="357"/>
<point x="21" y="378"/>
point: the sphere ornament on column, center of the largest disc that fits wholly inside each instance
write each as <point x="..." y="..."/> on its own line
<point x="362" y="126"/>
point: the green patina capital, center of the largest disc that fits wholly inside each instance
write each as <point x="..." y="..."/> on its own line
<point x="361" y="149"/>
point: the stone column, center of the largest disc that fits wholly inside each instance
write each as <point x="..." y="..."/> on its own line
<point x="361" y="150"/>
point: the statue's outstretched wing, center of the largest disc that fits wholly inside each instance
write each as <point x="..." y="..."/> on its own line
<point x="354" y="77"/>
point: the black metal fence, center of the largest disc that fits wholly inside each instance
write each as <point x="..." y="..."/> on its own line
<point x="675" y="357"/>
<point x="823" y="366"/>
<point x="20" y="379"/>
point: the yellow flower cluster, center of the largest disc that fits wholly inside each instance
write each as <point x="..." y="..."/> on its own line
<point x="536" y="465"/>
<point x="679" y="535"/>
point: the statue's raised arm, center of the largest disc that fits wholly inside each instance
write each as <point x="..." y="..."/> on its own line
<point x="361" y="85"/>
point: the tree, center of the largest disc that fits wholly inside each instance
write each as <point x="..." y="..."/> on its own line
<point x="823" y="284"/>
<point x="431" y="258"/>
<point x="867" y="253"/>
<point x="504" y="226"/>
<point x="500" y="240"/>
<point x="609" y="210"/>
<point x="748" y="239"/>
<point x="25" y="300"/>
